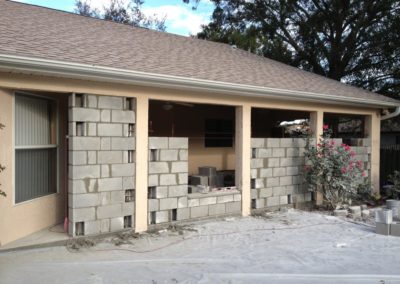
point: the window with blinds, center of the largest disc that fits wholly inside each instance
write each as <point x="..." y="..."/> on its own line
<point x="35" y="147"/>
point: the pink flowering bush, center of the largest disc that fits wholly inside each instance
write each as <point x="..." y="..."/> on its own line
<point x="332" y="170"/>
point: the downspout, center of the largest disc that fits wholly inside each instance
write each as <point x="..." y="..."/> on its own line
<point x="391" y="115"/>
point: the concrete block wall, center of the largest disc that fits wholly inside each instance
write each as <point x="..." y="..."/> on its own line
<point x="168" y="179"/>
<point x="276" y="172"/>
<point x="101" y="163"/>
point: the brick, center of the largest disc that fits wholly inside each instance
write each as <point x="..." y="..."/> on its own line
<point x="109" y="157"/>
<point x="109" y="129"/>
<point x="169" y="155"/>
<point x="200" y="211"/>
<point x="82" y="214"/>
<point x="278" y="152"/>
<point x="122" y="170"/>
<point x="257" y="142"/>
<point x="84" y="143"/>
<point x="110" y="184"/>
<point x="279" y="172"/>
<point x="84" y="114"/>
<point x="183" y="214"/>
<point x="178" y="143"/>
<point x="83" y="200"/>
<point x="77" y="157"/>
<point x="81" y="172"/>
<point x="265" y="192"/>
<point x="108" y="102"/>
<point x="153" y="205"/>
<point x="216" y="209"/>
<point x="265" y="173"/>
<point x="232" y="207"/>
<point x="273" y="201"/>
<point x="168" y="179"/>
<point x="177" y="190"/>
<point x="182" y="202"/>
<point x="168" y="203"/>
<point x="109" y="211"/>
<point x="193" y="202"/>
<point x="158" y="142"/>
<point x="117" y="224"/>
<point x="127" y="143"/>
<point x="158" y="167"/>
<point x="272" y="142"/>
<point x="179" y="167"/>
<point x="273" y="162"/>
<point x="256" y="163"/>
<point x="225" y="198"/>
<point x="92" y="227"/>
<point x="123" y="116"/>
<point x="105" y="115"/>
<point x="208" y="201"/>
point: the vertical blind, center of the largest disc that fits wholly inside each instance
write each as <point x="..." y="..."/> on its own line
<point x="36" y="155"/>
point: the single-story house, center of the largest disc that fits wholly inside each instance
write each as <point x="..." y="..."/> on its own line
<point x="109" y="126"/>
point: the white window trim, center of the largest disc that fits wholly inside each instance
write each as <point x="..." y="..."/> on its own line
<point x="14" y="148"/>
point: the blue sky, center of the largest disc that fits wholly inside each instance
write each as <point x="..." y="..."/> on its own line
<point x="181" y="19"/>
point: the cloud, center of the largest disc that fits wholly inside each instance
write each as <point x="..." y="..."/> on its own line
<point x="179" y="18"/>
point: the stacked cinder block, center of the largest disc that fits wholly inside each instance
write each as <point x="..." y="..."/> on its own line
<point x="276" y="172"/>
<point x="363" y="153"/>
<point x="168" y="179"/>
<point x="101" y="163"/>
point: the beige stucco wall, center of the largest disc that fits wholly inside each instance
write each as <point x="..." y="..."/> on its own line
<point x="35" y="214"/>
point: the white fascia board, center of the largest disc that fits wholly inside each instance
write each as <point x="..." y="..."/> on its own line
<point x="37" y="66"/>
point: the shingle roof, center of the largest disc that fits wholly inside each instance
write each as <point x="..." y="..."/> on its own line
<point x="33" y="31"/>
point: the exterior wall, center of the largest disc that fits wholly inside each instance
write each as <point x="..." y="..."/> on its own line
<point x="99" y="167"/>
<point x="14" y="81"/>
<point x="22" y="219"/>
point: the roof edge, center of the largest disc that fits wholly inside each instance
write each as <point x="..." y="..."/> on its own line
<point x="53" y="68"/>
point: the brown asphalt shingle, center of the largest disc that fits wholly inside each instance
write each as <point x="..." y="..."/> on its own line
<point x="32" y="31"/>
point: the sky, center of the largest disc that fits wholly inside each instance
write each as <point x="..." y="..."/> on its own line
<point x="180" y="18"/>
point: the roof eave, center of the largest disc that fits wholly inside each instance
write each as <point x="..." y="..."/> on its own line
<point x="37" y="66"/>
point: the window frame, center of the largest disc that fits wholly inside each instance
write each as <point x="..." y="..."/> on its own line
<point x="51" y="146"/>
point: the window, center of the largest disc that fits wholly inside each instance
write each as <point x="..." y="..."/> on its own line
<point x="35" y="147"/>
<point x="218" y="133"/>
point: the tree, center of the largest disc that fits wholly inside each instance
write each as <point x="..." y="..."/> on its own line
<point x="129" y="13"/>
<point x="353" y="41"/>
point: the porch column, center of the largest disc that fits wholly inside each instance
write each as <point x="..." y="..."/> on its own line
<point x="373" y="131"/>
<point x="316" y="124"/>
<point x="243" y="155"/>
<point x="142" y="139"/>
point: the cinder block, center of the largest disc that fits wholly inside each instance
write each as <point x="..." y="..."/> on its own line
<point x="273" y="162"/>
<point x="127" y="143"/>
<point x="105" y="198"/>
<point x="254" y="173"/>
<point x="153" y="205"/>
<point x="382" y="229"/>
<point x="257" y="142"/>
<point x="107" y="102"/>
<point x="153" y="180"/>
<point x="182" y="214"/>
<point x="199" y="180"/>
<point x="105" y="115"/>
<point x="92" y="157"/>
<point x="168" y="179"/>
<point x="263" y="153"/>
<point x="256" y="163"/>
<point x="225" y="198"/>
<point x="105" y="143"/>
<point x="122" y="170"/>
<point x="92" y="227"/>
<point x="109" y="157"/>
<point x="83" y="200"/>
<point x="287" y="180"/>
<point x="271" y="182"/>
<point x="77" y="158"/>
<point x="278" y="152"/>
<point x="104" y="225"/>
<point x="292" y="171"/>
<point x="266" y="172"/>
<point x="292" y="189"/>
<point x="259" y="203"/>
<point x="208" y="201"/>
<point x="158" y="142"/>
<point x="259" y="183"/>
<point x="128" y="209"/>
<point x="84" y="114"/>
<point x="91" y="101"/>
<point x="237" y="197"/>
<point x="199" y="211"/>
<point x="253" y="193"/>
<point x="109" y="211"/>
<point x="82" y="172"/>
<point x="158" y="167"/>
<point x="128" y="183"/>
<point x="105" y="171"/>
<point x="117" y="224"/>
<point x="395" y="229"/>
<point x="290" y="162"/>
<point x="177" y="190"/>
<point x="110" y="184"/>
<point x="168" y="203"/>
<point x="162" y="217"/>
<point x="169" y="155"/>
<point x="109" y="129"/>
<point x="283" y="200"/>
<point x="123" y="116"/>
<point x="286" y="142"/>
<point x="273" y="201"/>
<point x="82" y="186"/>
<point x="178" y="143"/>
<point x="272" y="142"/>
<point x="308" y="197"/>
<point x="216" y="209"/>
<point x="299" y="142"/>
<point x="117" y="196"/>
<point x="183" y="178"/>
<point x="179" y="167"/>
<point x="161" y="192"/>
<point x="265" y="192"/>
<point x="182" y="202"/>
<point x="279" y="190"/>
<point x="183" y="155"/>
<point x="232" y="207"/>
<point x="82" y="214"/>
<point x="84" y="143"/>
<point x="193" y="202"/>
<point x="279" y="172"/>
<point x="292" y="152"/>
